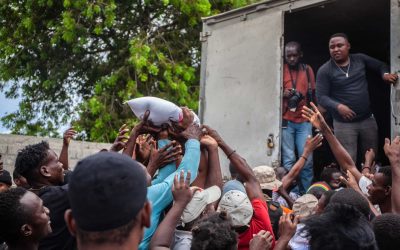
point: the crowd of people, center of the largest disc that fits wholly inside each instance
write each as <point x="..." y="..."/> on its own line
<point x="162" y="187"/>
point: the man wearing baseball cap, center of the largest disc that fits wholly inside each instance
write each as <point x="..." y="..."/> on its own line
<point x="248" y="210"/>
<point x="109" y="208"/>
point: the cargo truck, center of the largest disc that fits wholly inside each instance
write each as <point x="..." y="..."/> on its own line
<point x="242" y="61"/>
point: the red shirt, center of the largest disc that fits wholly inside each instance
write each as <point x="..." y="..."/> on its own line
<point x="300" y="77"/>
<point x="259" y="221"/>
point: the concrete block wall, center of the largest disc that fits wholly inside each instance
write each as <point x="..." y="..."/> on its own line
<point x="10" y="144"/>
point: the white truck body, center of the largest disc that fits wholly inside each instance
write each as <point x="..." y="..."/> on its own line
<point x="241" y="76"/>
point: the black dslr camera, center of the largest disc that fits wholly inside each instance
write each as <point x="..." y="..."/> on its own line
<point x="294" y="100"/>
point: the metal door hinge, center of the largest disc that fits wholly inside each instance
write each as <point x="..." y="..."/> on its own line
<point x="204" y="35"/>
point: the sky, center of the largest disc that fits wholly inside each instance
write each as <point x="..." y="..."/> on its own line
<point x="7" y="106"/>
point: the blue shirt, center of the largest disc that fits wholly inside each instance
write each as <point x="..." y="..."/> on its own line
<point x="160" y="194"/>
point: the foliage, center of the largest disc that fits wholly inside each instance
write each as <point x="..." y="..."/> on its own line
<point x="79" y="60"/>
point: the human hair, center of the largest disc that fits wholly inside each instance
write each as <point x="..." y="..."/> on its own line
<point x="30" y="159"/>
<point x="340" y="35"/>
<point x="341" y="226"/>
<point x="351" y="197"/>
<point x="294" y="44"/>
<point x="327" y="172"/>
<point x="387" y="231"/>
<point x="15" y="174"/>
<point x="387" y="172"/>
<point x="232" y="171"/>
<point x="12" y="215"/>
<point x="114" y="236"/>
<point x="328" y="195"/>
<point x="214" y="232"/>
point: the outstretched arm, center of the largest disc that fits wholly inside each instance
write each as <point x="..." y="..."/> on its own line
<point x="253" y="187"/>
<point x="340" y="153"/>
<point x="162" y="238"/>
<point x="310" y="145"/>
<point x="68" y="134"/>
<point x="392" y="151"/>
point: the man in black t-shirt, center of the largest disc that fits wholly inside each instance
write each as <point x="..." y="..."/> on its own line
<point x="342" y="89"/>
<point x="45" y="174"/>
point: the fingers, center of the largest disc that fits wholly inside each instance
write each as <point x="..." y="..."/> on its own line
<point x="176" y="183"/>
<point x="344" y="181"/>
<point x="182" y="178"/>
<point x="169" y="145"/>
<point x="187" y="181"/>
<point x="296" y="220"/>
<point x="146" y="116"/>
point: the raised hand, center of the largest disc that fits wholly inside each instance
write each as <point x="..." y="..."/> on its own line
<point x="315" y="117"/>
<point x="287" y="227"/>
<point x="68" y="135"/>
<point x="159" y="158"/>
<point x="213" y="133"/>
<point x="122" y="138"/>
<point x="181" y="189"/>
<point x="350" y="181"/>
<point x="144" y="144"/>
<point x="192" y="132"/>
<point x="208" y="141"/>
<point x="392" y="151"/>
<point x="313" y="143"/>
<point x="261" y="241"/>
<point x="145" y="126"/>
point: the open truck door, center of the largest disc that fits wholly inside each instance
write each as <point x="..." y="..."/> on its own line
<point x="395" y="65"/>
<point x="241" y="78"/>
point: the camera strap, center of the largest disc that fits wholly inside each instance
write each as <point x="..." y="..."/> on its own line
<point x="293" y="80"/>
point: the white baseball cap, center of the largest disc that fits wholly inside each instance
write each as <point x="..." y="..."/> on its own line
<point x="238" y="206"/>
<point x="201" y="198"/>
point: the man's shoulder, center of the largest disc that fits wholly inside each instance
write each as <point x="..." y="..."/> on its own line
<point x="324" y="67"/>
<point x="51" y="192"/>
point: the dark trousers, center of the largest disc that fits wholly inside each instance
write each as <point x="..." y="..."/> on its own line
<point x="355" y="136"/>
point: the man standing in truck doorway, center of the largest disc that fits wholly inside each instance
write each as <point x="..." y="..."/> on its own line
<point x="298" y="90"/>
<point x="342" y="89"/>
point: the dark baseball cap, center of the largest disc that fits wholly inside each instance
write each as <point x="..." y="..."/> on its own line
<point x="106" y="191"/>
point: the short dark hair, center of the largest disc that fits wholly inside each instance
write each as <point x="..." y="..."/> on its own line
<point x="232" y="170"/>
<point x="327" y="172"/>
<point x="115" y="236"/>
<point x="387" y="172"/>
<point x="30" y="159"/>
<point x="351" y="197"/>
<point x="214" y="232"/>
<point x="15" y="174"/>
<point x="294" y="44"/>
<point x="340" y="226"/>
<point x="340" y="35"/>
<point x="387" y="231"/>
<point x="12" y="215"/>
<point x="328" y="195"/>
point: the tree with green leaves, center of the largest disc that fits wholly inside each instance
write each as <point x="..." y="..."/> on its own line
<point x="77" y="61"/>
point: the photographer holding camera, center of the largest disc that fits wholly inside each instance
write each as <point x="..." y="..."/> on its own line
<point x="298" y="90"/>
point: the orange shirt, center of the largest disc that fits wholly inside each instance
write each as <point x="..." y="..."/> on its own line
<point x="300" y="77"/>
